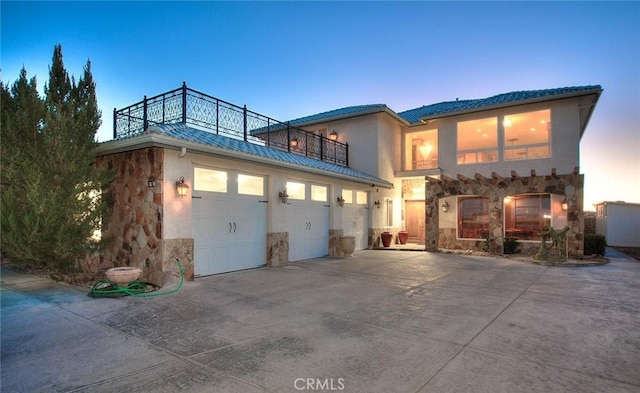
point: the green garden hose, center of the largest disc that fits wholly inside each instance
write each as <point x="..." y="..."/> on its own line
<point x="106" y="288"/>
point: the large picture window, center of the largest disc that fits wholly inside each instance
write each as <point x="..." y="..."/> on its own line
<point x="421" y="150"/>
<point x="473" y="218"/>
<point x="526" y="215"/>
<point x="478" y="141"/>
<point x="527" y="135"/>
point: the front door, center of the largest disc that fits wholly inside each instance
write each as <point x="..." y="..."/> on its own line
<point x="415" y="220"/>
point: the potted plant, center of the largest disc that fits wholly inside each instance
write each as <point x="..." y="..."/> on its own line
<point x="403" y="236"/>
<point x="386" y="238"/>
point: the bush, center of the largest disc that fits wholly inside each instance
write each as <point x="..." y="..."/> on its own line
<point x="594" y="244"/>
<point x="510" y="245"/>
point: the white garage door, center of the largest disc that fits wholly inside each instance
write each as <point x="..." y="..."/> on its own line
<point x="355" y="217"/>
<point x="229" y="221"/>
<point x="307" y="221"/>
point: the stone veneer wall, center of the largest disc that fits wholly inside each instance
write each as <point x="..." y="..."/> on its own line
<point x="181" y="249"/>
<point x="134" y="228"/>
<point x="335" y="243"/>
<point x="277" y="248"/>
<point x="590" y="223"/>
<point x="495" y="189"/>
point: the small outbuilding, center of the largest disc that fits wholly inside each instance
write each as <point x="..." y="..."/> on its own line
<point x="619" y="223"/>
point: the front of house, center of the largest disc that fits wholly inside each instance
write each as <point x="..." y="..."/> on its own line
<point x="454" y="175"/>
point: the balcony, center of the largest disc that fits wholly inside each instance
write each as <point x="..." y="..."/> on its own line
<point x="204" y="112"/>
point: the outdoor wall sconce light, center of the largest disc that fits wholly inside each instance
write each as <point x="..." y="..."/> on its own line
<point x="377" y="203"/>
<point x="151" y="182"/>
<point x="445" y="206"/>
<point x="181" y="188"/>
<point x="340" y="201"/>
<point x="294" y="142"/>
<point x="565" y="204"/>
<point x="333" y="136"/>
<point x="284" y="197"/>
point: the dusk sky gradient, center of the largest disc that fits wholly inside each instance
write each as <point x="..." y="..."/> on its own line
<point x="293" y="59"/>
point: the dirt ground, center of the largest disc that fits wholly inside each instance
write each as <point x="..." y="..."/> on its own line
<point x="81" y="279"/>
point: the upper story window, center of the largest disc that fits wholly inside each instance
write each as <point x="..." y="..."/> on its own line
<point x="478" y="141"/>
<point x="527" y="135"/>
<point x="422" y="150"/>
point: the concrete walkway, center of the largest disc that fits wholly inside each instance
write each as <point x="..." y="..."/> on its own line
<point x="382" y="321"/>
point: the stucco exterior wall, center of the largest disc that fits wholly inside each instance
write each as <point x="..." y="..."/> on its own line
<point x="565" y="137"/>
<point x="621" y="226"/>
<point x="178" y="213"/>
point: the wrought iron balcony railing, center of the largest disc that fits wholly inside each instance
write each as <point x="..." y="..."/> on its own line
<point x="188" y="106"/>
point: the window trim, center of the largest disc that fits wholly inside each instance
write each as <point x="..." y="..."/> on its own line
<point x="493" y="149"/>
<point x="459" y="229"/>
<point x="533" y="237"/>
<point x="526" y="147"/>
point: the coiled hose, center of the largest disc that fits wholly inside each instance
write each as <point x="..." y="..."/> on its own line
<point x="106" y="288"/>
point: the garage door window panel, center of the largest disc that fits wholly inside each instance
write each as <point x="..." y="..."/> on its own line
<point x="347" y="195"/>
<point x="210" y="180"/>
<point x="318" y="193"/>
<point x="296" y="190"/>
<point x="250" y="185"/>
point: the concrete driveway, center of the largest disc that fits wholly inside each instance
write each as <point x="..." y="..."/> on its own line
<point x="382" y="321"/>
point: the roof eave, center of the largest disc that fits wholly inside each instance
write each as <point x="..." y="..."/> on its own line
<point x="169" y="142"/>
<point x="592" y="106"/>
<point x="384" y="109"/>
<point x="596" y="91"/>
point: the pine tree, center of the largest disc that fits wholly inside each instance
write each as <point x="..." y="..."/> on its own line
<point x="22" y="114"/>
<point x="51" y="202"/>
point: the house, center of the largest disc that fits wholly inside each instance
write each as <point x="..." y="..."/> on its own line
<point x="619" y="223"/>
<point x="255" y="191"/>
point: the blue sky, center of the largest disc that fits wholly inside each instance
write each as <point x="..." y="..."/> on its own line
<point x="292" y="59"/>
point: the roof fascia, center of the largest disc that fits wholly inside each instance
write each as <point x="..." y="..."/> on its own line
<point x="592" y="107"/>
<point x="596" y="92"/>
<point x="165" y="141"/>
<point x="385" y="109"/>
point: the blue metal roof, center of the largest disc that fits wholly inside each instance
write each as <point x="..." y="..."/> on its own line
<point x="184" y="132"/>
<point x="347" y="111"/>
<point x="451" y="107"/>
